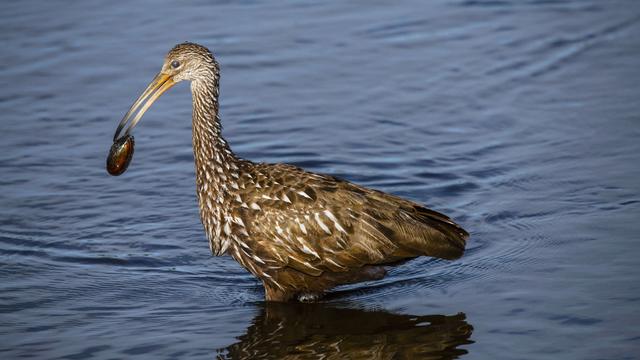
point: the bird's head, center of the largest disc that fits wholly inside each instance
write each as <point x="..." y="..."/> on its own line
<point x="189" y="61"/>
<point x="186" y="61"/>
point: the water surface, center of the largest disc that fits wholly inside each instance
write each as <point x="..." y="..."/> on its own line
<point x="520" y="119"/>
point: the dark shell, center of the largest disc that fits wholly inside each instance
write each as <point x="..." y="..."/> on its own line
<point x="120" y="155"/>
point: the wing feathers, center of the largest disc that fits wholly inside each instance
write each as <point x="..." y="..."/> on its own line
<point x="327" y="224"/>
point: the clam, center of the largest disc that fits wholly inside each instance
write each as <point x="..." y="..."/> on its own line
<point x="120" y="155"/>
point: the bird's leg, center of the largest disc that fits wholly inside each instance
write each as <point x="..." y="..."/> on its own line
<point x="308" y="297"/>
<point x="273" y="293"/>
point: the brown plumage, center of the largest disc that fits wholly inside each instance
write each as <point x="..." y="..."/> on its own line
<point x="300" y="233"/>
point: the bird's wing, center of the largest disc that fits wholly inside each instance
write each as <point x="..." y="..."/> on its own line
<point x="316" y="223"/>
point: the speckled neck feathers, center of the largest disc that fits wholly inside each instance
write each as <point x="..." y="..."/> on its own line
<point x="215" y="163"/>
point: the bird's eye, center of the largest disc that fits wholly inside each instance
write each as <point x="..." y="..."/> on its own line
<point x="175" y="64"/>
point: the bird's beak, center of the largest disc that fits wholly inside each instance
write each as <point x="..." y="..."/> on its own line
<point x="157" y="87"/>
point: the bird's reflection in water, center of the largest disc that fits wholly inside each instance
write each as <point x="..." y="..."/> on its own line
<point x="322" y="331"/>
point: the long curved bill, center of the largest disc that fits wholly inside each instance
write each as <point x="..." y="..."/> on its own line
<point x="157" y="87"/>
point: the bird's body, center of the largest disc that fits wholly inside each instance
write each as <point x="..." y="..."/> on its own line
<point x="299" y="232"/>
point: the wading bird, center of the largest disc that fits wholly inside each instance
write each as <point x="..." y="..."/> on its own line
<point x="299" y="232"/>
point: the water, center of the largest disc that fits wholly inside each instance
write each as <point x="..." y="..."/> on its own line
<point x="520" y="119"/>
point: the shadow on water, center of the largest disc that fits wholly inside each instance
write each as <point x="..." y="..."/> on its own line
<point x="325" y="331"/>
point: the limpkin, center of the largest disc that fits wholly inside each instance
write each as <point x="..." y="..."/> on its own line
<point x="301" y="233"/>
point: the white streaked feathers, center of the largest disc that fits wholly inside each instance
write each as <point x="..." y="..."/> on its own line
<point x="255" y="206"/>
<point x="303" y="228"/>
<point x="331" y="217"/>
<point x="302" y="193"/>
<point x="321" y="224"/>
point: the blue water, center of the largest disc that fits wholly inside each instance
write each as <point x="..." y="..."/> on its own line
<point x="520" y="119"/>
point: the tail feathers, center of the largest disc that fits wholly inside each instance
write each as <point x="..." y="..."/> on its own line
<point x="413" y="230"/>
<point x="433" y="234"/>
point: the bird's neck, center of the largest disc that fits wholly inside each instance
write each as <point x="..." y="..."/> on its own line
<point x="208" y="143"/>
<point x="216" y="165"/>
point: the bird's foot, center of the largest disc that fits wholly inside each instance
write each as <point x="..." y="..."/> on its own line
<point x="308" y="297"/>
